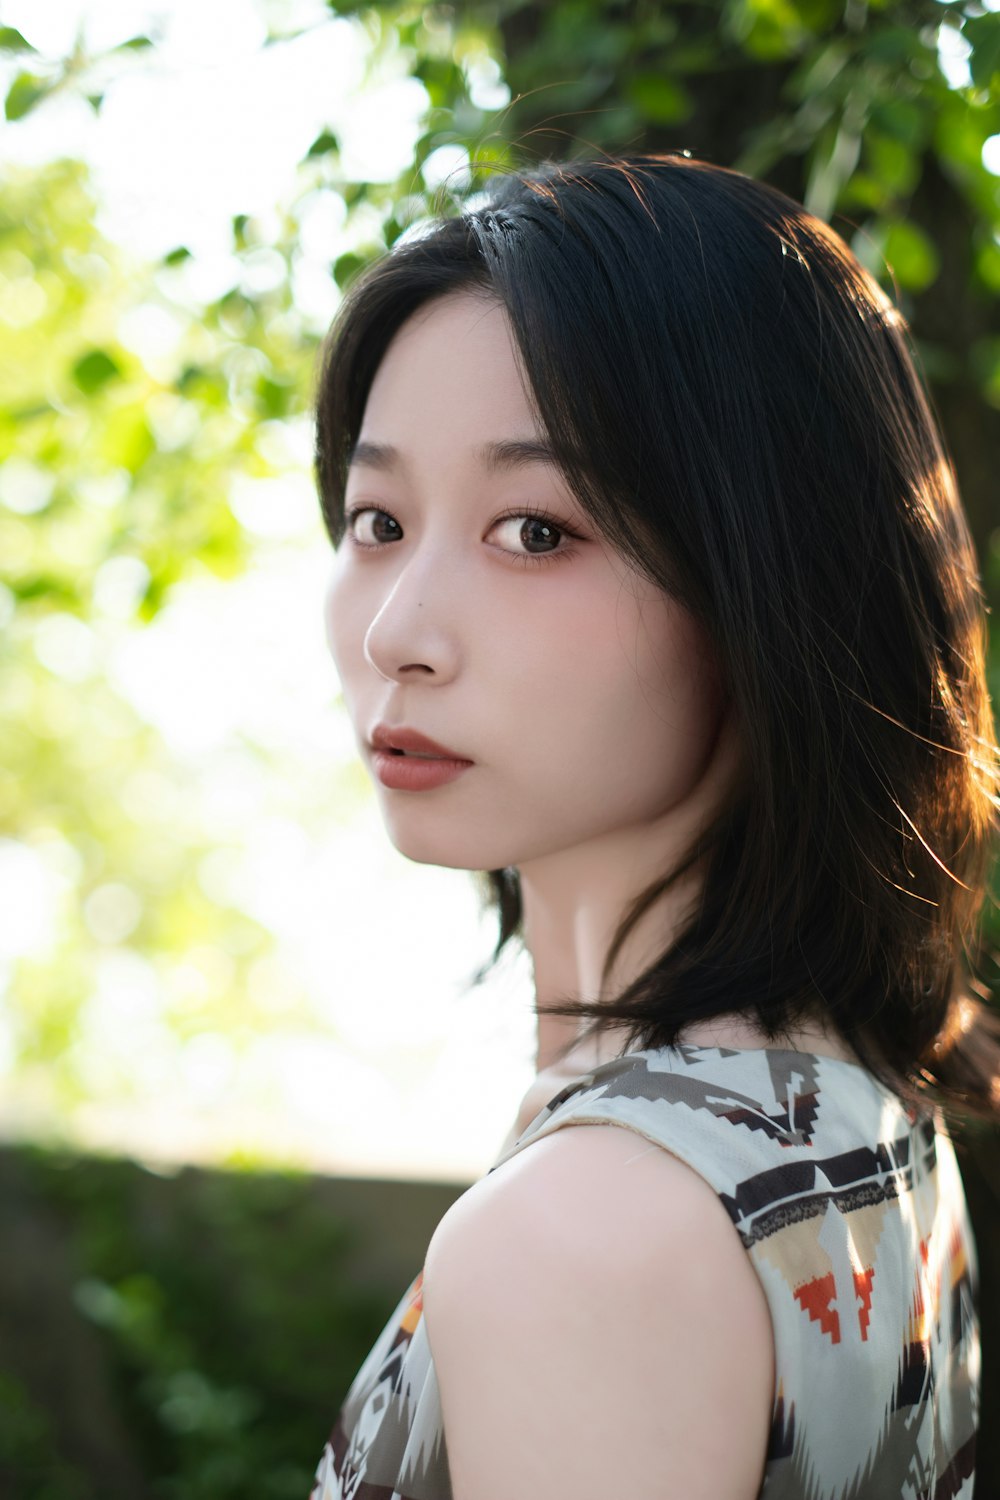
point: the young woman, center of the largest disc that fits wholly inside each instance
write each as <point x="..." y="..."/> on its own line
<point x="654" y="603"/>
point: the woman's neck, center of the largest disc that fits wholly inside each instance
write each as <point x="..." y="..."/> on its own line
<point x="574" y="899"/>
<point x="572" y="969"/>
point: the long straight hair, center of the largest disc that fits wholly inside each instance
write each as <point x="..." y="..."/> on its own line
<point x="735" y="403"/>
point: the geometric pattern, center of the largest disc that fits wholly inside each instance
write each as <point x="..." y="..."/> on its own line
<point x="851" y="1208"/>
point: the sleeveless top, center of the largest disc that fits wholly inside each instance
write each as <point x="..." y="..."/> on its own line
<point x="851" y="1208"/>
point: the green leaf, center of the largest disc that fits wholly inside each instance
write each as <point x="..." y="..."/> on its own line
<point x="356" y="192"/>
<point x="275" y="397"/>
<point x="11" y="40"/>
<point x="911" y="254"/>
<point x="177" y="257"/>
<point x="325" y="143"/>
<point x="24" y="93"/>
<point x="959" y="136"/>
<point x="983" y="35"/>
<point x="347" y="266"/>
<point x="134" y="44"/>
<point x="898" y="46"/>
<point x="902" y="119"/>
<point x="988" y="265"/>
<point x="819" y="16"/>
<point x="892" y="163"/>
<point x="659" y="100"/>
<point x="765" y="29"/>
<point x="94" y="370"/>
<point x="126" y="439"/>
<point x="862" y="190"/>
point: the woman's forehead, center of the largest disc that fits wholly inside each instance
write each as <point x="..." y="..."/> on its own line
<point x="451" y="377"/>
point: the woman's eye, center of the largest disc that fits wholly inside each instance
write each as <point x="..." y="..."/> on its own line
<point x="525" y="536"/>
<point x="371" y="527"/>
<point x="538" y="534"/>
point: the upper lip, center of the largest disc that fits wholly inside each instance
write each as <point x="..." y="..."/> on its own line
<point x="388" y="737"/>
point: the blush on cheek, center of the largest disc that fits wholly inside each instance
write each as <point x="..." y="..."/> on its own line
<point x="347" y="615"/>
<point x="689" y="658"/>
<point x="332" y="608"/>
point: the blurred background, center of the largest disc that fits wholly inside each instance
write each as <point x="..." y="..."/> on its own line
<point x="242" y="1072"/>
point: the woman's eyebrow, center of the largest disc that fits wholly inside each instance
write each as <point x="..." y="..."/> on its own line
<point x="508" y="453"/>
<point x="514" y="453"/>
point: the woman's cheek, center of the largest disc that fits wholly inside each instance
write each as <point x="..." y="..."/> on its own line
<point x="346" y="620"/>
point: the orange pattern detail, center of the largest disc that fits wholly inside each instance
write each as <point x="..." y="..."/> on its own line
<point x="863" y="1289"/>
<point x="815" y="1297"/>
<point x="415" y="1307"/>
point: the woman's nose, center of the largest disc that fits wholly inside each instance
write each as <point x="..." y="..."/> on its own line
<point x="413" y="633"/>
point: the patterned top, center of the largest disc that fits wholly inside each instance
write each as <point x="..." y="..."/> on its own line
<point x="851" y="1208"/>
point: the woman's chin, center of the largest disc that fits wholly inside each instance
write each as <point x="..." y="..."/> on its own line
<point x="434" y="847"/>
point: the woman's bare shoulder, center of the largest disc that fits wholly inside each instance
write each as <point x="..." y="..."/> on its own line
<point x="595" y="1323"/>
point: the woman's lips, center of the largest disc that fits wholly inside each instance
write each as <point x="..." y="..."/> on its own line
<point x="405" y="760"/>
<point x="412" y="742"/>
<point x="416" y="773"/>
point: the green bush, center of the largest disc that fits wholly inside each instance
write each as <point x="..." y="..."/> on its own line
<point x="186" y="1337"/>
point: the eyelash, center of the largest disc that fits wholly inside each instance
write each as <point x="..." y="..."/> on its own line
<point x="525" y="513"/>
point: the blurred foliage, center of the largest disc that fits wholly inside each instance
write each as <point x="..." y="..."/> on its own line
<point x="116" y="470"/>
<point x="211" y="1321"/>
<point x="114" y="481"/>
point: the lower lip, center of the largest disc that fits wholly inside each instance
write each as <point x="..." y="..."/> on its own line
<point x="410" y="773"/>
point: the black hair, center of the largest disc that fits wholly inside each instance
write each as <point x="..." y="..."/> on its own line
<point x="736" y="404"/>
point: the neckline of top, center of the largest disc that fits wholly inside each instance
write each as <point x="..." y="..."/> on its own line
<point x="772" y="1051"/>
<point x="857" y="1068"/>
<point x="813" y="1057"/>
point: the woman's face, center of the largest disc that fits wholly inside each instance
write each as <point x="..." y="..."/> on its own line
<point x="472" y="600"/>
